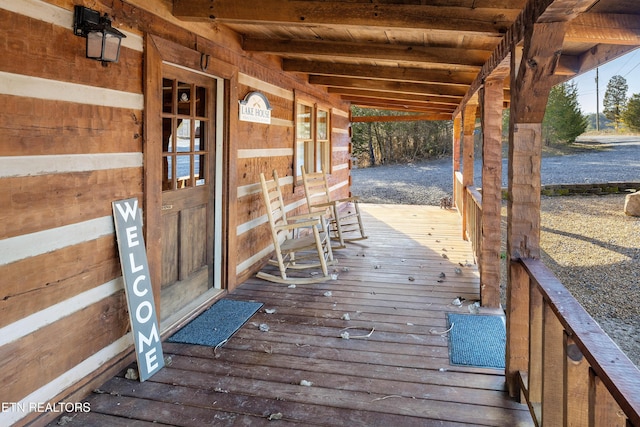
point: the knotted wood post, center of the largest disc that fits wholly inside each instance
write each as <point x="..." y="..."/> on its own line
<point x="489" y="260"/>
<point x="531" y="81"/>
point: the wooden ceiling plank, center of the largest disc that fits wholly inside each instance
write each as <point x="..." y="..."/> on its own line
<point x="369" y="51"/>
<point x="408" y="74"/>
<point x="337" y="13"/>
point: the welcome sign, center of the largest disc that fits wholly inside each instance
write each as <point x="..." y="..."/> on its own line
<point x="255" y="108"/>
<point x="135" y="271"/>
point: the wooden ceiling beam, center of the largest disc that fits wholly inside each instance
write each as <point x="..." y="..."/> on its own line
<point x="604" y="29"/>
<point x="534" y="11"/>
<point x="407" y="118"/>
<point x="389" y="86"/>
<point x="599" y="55"/>
<point x="375" y="94"/>
<point x="403" y="104"/>
<point x="370" y="51"/>
<point x="408" y="74"/>
<point x="338" y="13"/>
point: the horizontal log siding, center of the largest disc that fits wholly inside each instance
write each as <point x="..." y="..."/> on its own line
<point x="36" y="203"/>
<point x="64" y="127"/>
<point x="23" y="360"/>
<point x="65" y="63"/>
<point x="70" y="144"/>
<point x="54" y="277"/>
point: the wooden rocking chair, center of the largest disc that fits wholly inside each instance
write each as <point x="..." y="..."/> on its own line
<point x="344" y="214"/>
<point x="300" y="241"/>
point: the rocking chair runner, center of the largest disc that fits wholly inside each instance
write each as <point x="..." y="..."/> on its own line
<point x="344" y="214"/>
<point x="299" y="241"/>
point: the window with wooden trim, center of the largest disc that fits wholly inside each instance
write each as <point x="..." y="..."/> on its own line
<point x="313" y="138"/>
<point x="323" y="144"/>
<point x="185" y="118"/>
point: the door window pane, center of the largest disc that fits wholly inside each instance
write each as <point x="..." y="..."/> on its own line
<point x="167" y="135"/>
<point x="200" y="170"/>
<point x="167" y="173"/>
<point x="167" y="95"/>
<point x="184" y="98"/>
<point x="183" y="144"/>
<point x="199" y="137"/>
<point x="184" y="135"/>
<point x="201" y="101"/>
<point x="183" y="170"/>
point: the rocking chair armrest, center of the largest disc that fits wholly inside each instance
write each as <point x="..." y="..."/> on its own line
<point x="309" y="215"/>
<point x="324" y="205"/>
<point x="354" y="199"/>
<point x="302" y="224"/>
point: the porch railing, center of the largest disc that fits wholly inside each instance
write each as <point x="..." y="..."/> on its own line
<point x="567" y="369"/>
<point x="469" y="203"/>
<point x="473" y="212"/>
<point x="576" y="374"/>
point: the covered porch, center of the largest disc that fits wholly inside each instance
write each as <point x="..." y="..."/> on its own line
<point x="391" y="287"/>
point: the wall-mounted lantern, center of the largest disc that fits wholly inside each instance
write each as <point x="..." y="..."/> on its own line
<point x="103" y="41"/>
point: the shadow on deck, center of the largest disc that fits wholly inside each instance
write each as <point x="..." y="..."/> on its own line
<point x="398" y="376"/>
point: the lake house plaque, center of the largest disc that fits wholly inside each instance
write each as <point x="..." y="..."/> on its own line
<point x="255" y="108"/>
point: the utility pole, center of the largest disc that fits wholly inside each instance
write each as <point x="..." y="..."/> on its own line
<point x="597" y="103"/>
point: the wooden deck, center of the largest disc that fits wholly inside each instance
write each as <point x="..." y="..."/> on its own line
<point x="399" y="376"/>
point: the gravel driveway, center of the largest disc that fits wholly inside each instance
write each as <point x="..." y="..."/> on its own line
<point x="587" y="241"/>
<point x="425" y="183"/>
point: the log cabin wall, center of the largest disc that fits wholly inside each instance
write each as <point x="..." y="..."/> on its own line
<point x="71" y="142"/>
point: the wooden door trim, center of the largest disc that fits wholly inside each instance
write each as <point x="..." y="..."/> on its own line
<point x="157" y="52"/>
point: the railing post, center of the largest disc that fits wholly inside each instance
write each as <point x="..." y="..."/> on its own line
<point x="536" y="303"/>
<point x="457" y="129"/>
<point x="603" y="409"/>
<point x="552" y="369"/>
<point x="517" y="345"/>
<point x="469" y="125"/>
<point x="576" y="411"/>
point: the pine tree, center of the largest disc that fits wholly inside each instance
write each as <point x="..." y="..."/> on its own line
<point x="631" y="114"/>
<point x="563" y="120"/>
<point x="615" y="99"/>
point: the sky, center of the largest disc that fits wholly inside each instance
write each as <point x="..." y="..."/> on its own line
<point x="627" y="66"/>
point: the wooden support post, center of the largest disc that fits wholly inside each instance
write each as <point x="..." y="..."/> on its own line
<point x="468" y="127"/>
<point x="530" y="87"/>
<point x="489" y="260"/>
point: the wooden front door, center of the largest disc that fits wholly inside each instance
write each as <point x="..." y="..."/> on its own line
<point x="188" y="187"/>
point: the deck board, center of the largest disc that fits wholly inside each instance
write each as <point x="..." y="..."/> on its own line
<point x="400" y="375"/>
